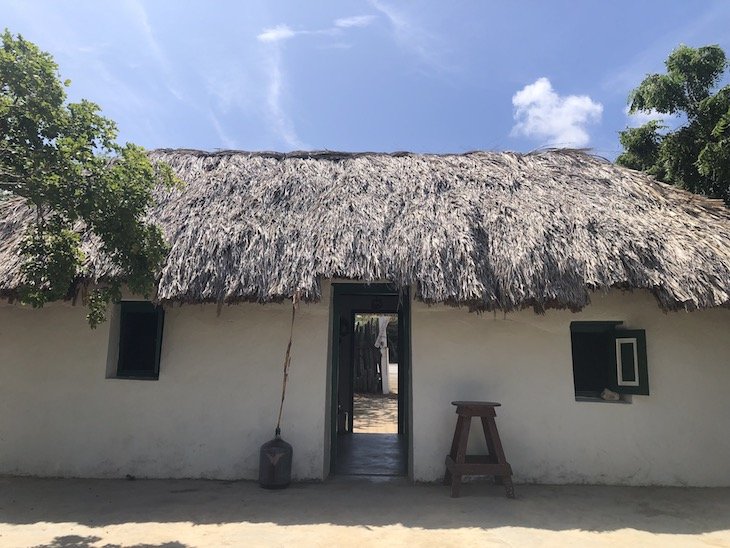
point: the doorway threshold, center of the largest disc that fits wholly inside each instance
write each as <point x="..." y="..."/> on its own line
<point x="371" y="454"/>
<point x="356" y="479"/>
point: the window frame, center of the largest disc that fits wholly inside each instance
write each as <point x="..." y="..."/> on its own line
<point x="126" y="307"/>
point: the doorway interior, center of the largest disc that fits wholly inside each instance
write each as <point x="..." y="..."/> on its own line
<point x="370" y="381"/>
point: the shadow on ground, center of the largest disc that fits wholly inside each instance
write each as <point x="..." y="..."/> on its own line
<point x="77" y="541"/>
<point x="98" y="503"/>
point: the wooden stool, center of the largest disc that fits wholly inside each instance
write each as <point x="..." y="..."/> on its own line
<point x="459" y="464"/>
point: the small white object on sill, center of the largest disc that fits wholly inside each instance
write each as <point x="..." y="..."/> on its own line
<point x="610" y="395"/>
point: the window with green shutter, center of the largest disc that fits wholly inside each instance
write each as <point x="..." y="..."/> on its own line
<point x="608" y="357"/>
<point x="140" y="340"/>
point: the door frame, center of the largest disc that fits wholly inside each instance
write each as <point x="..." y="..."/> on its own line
<point x="339" y="292"/>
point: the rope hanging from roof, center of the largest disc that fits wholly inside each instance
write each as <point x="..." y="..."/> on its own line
<point x="287" y="359"/>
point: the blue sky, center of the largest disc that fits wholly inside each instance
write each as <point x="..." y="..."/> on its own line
<point x="380" y="75"/>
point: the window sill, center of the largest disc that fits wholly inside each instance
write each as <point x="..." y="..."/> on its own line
<point x="596" y="399"/>
<point x="132" y="378"/>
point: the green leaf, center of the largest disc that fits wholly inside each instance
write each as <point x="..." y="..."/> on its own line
<point x="695" y="155"/>
<point x="63" y="159"/>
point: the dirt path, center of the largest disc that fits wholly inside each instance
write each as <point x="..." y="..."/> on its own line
<point x="376" y="413"/>
<point x="175" y="514"/>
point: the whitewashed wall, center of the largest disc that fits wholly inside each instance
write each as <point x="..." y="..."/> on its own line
<point x="220" y="378"/>
<point x="676" y="436"/>
<point x="215" y="403"/>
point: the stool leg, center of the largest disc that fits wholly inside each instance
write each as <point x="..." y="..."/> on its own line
<point x="492" y="435"/>
<point x="463" y="440"/>
<point x="488" y="437"/>
<point x="454" y="445"/>
<point x="460" y="420"/>
<point x="509" y="487"/>
<point x="491" y="449"/>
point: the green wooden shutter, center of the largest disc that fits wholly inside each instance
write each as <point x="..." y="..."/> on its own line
<point x="629" y="372"/>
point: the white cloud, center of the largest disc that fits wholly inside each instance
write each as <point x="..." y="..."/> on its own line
<point x="336" y="45"/>
<point x="354" y="21"/>
<point x="140" y="16"/>
<point x="282" y="124"/>
<point x="413" y="38"/>
<point x="283" y="32"/>
<point x="640" y="118"/>
<point x="276" y="34"/>
<point x="231" y="87"/>
<point x="540" y="113"/>
<point x="227" y="141"/>
<point x="280" y="121"/>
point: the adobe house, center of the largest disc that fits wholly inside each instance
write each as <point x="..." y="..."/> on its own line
<point x="535" y="280"/>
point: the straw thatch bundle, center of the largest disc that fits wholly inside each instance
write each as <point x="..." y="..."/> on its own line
<point x="488" y="230"/>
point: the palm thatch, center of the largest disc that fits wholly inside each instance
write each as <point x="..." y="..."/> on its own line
<point x="488" y="230"/>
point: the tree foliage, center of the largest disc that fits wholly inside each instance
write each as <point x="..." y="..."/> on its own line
<point x="63" y="159"/>
<point x="696" y="155"/>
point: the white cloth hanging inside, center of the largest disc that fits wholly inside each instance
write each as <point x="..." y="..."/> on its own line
<point x="382" y="343"/>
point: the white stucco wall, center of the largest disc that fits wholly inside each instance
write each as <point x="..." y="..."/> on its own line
<point x="215" y="403"/>
<point x="676" y="436"/>
<point x="220" y="379"/>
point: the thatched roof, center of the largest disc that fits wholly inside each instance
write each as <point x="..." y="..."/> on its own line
<point x="488" y="230"/>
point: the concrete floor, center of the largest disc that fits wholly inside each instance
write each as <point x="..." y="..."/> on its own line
<point x="175" y="514"/>
<point x="374" y="448"/>
<point x="371" y="454"/>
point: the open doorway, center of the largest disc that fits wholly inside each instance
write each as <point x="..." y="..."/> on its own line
<point x="370" y="381"/>
<point x="375" y="374"/>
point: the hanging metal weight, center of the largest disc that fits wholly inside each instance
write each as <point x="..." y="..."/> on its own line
<point x="275" y="460"/>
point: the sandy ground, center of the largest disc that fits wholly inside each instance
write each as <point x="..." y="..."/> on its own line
<point x="375" y="413"/>
<point x="180" y="513"/>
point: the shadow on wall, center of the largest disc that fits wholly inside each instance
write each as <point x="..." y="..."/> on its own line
<point x="75" y="541"/>
<point x="100" y="503"/>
